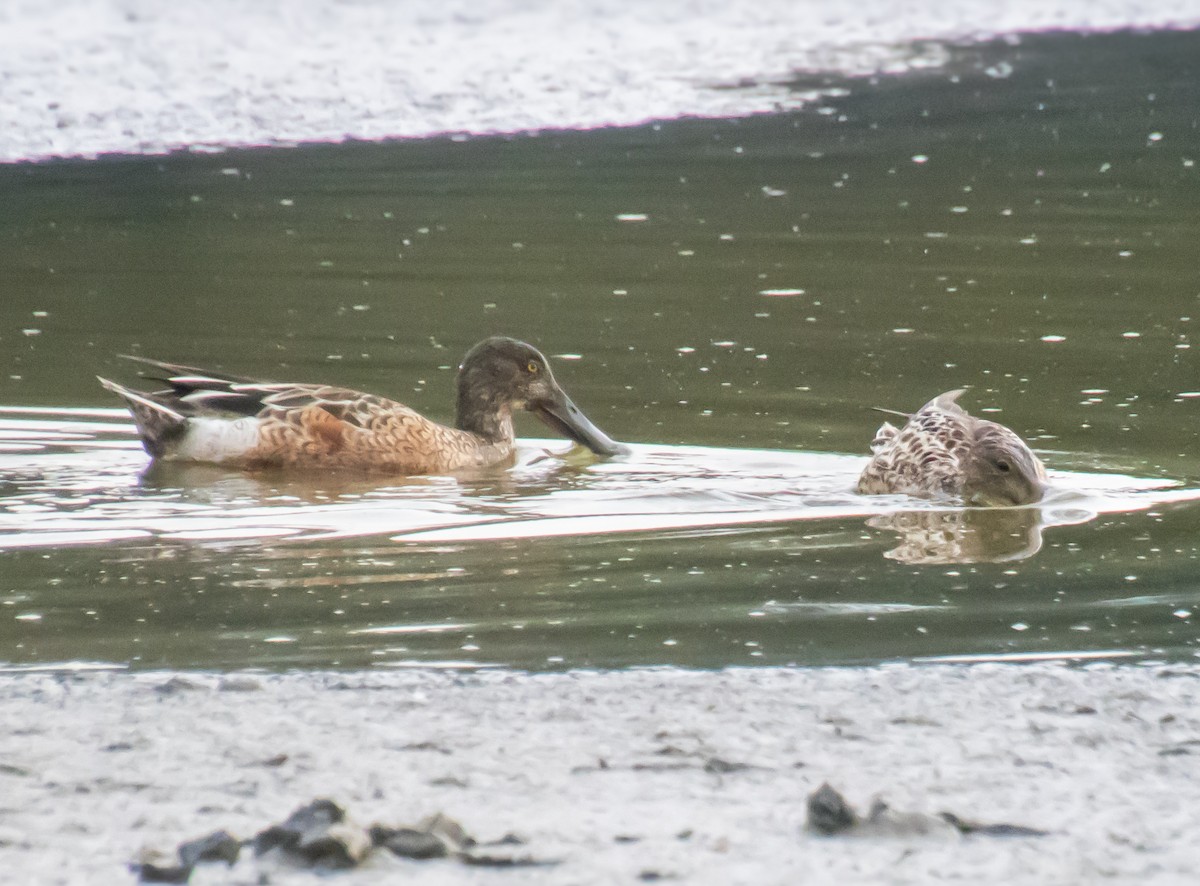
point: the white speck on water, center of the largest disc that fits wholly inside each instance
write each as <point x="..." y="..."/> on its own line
<point x="568" y="356"/>
<point x="670" y="643"/>
<point x="959" y="209"/>
<point x="772" y="192"/>
<point x="287" y="201"/>
<point x="41" y="314"/>
<point x="724" y="344"/>
<point x="1019" y="626"/>
<point x="903" y="330"/>
<point x="1053" y="339"/>
<point x="685" y="350"/>
<point x="1182" y="613"/>
<point x="1188" y="395"/>
<point x="29" y="616"/>
<point x="687" y="252"/>
<point x="632" y="217"/>
<point x="1131" y="335"/>
<point x="281" y="638"/>
<point x="936" y="235"/>
<point x="31" y="332"/>
<point x="920" y="158"/>
<point x="780" y="293"/>
<point x="1131" y="578"/>
<point x="1093" y="391"/>
<point x="1030" y="240"/>
<point x="1154" y="137"/>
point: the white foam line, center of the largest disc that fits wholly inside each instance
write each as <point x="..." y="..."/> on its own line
<point x="57" y="538"/>
<point x="415" y="629"/>
<point x="63" y="667"/>
<point x="606" y="524"/>
<point x="1026" y="656"/>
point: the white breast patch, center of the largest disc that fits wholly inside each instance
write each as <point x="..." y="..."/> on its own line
<point x="216" y="439"/>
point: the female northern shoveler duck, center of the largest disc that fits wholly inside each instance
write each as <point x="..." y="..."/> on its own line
<point x="242" y="423"/>
<point x="944" y="451"/>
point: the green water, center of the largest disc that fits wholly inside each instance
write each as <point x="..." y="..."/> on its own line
<point x="1023" y="223"/>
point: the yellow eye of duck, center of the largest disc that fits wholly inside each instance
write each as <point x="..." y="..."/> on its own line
<point x="532" y="367"/>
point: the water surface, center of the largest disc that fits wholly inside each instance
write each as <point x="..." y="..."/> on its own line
<point x="730" y="296"/>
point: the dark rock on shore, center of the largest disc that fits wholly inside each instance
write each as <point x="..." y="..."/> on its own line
<point x="317" y="834"/>
<point x="320" y="835"/>
<point x="829" y="813"/>
<point x="158" y="868"/>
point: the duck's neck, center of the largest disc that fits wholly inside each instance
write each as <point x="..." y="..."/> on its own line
<point x="486" y="416"/>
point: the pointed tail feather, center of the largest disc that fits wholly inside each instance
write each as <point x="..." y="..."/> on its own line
<point x="158" y="425"/>
<point x="947" y="402"/>
<point x="884" y="437"/>
<point x="185" y="378"/>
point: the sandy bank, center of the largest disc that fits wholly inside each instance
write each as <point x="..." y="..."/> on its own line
<point x="700" y="776"/>
<point x="85" y="77"/>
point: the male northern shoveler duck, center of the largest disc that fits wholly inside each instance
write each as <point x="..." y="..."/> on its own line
<point x="944" y="451"/>
<point x="254" y="425"/>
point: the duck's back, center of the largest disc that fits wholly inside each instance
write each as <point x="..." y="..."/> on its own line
<point x="342" y="429"/>
<point x="240" y="423"/>
<point x="925" y="456"/>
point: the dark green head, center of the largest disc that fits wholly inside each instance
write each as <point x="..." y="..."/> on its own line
<point x="500" y="375"/>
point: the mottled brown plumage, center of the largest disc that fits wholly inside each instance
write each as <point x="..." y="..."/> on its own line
<point x="239" y="422"/>
<point x="943" y="451"/>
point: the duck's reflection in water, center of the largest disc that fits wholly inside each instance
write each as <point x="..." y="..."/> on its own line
<point x="963" y="535"/>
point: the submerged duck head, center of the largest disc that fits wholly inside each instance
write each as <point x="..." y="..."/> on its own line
<point x="1001" y="470"/>
<point x="500" y="375"/>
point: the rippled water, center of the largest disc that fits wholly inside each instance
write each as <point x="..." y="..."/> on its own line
<point x="668" y="554"/>
<point x="728" y="296"/>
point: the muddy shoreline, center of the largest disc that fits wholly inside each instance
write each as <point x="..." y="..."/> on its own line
<point x="619" y="776"/>
<point x="85" y="78"/>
